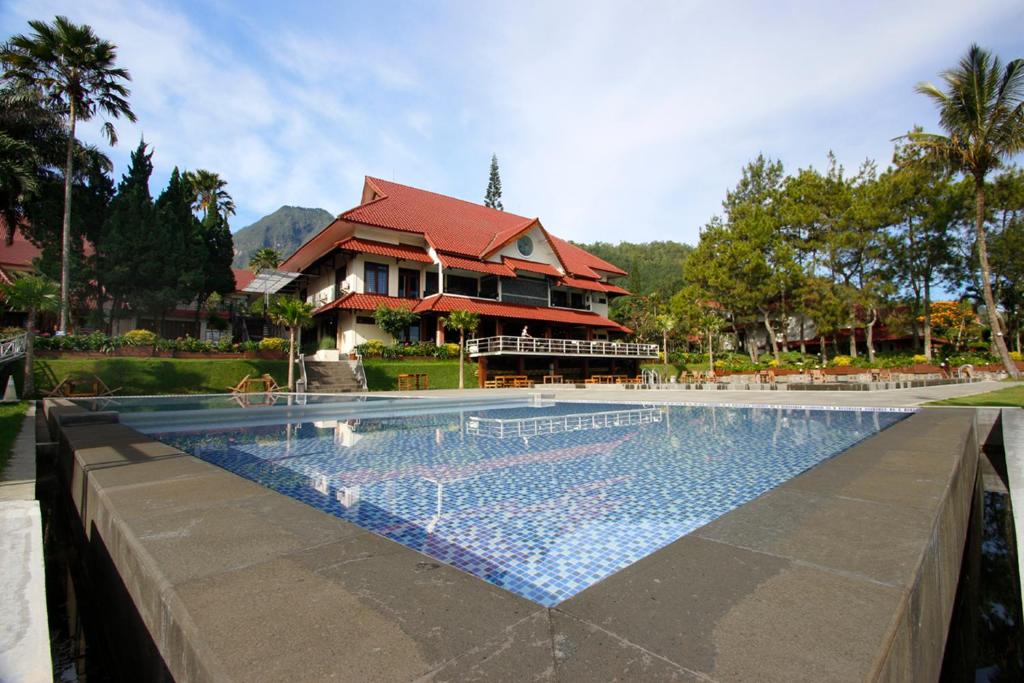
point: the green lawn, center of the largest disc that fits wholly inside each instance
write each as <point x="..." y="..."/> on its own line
<point x="382" y="375"/>
<point x="11" y="415"/>
<point x="1010" y="397"/>
<point x="158" y="375"/>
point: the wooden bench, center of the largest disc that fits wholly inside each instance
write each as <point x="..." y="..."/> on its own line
<point x="413" y="380"/>
<point x="265" y="384"/>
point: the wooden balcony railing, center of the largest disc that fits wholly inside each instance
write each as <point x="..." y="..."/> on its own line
<point x="541" y="346"/>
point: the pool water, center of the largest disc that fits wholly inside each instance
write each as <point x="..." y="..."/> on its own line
<point x="541" y="501"/>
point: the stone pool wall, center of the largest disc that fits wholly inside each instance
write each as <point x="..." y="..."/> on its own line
<point x="846" y="572"/>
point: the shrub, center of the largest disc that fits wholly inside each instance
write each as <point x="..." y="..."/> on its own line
<point x="327" y="344"/>
<point x="842" y="361"/>
<point x="225" y="345"/>
<point x="393" y="352"/>
<point x="273" y="344"/>
<point x="1016" y="355"/>
<point x="453" y="349"/>
<point x="442" y="353"/>
<point x="920" y="358"/>
<point x="249" y="346"/>
<point x="6" y="332"/>
<point x="371" y="349"/>
<point x="140" y="338"/>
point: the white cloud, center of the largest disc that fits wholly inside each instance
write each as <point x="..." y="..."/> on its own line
<point x="611" y="120"/>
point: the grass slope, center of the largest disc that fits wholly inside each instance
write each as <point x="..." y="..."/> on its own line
<point x="382" y="375"/>
<point x="1010" y="397"/>
<point x="11" y="417"/>
<point x="158" y="375"/>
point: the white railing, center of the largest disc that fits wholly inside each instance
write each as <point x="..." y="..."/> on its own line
<point x="537" y="426"/>
<point x="483" y="346"/>
<point x="12" y="348"/>
<point x="360" y="372"/>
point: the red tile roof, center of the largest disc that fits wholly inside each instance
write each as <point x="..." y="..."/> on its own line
<point x="451" y="261"/>
<point x="19" y="254"/>
<point x="592" y="285"/>
<point x="615" y="289"/>
<point x="531" y="266"/>
<point x="446" y="303"/>
<point x="460" y="227"/>
<point x="400" y="251"/>
<point x="365" y="302"/>
<point x="243" y="277"/>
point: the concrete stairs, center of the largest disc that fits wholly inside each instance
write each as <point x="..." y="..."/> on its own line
<point x="331" y="377"/>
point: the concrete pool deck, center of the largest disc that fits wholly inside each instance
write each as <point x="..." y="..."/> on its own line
<point x="846" y="572"/>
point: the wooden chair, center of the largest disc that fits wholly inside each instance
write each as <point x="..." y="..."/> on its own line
<point x="240" y="388"/>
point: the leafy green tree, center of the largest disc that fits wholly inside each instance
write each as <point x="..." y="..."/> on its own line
<point x="463" y="321"/>
<point x="168" y="273"/>
<point x="1007" y="248"/>
<point x="290" y="312"/>
<point x="982" y="111"/>
<point x="394" y="321"/>
<point x="74" y="69"/>
<point x="666" y="323"/>
<point x="33" y="294"/>
<point x="492" y="198"/>
<point x="700" y="318"/>
<point x="927" y="207"/>
<point x="125" y="237"/>
<point x="216" y="251"/>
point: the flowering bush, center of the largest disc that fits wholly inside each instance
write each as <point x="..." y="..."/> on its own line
<point x="139" y="338"/>
<point x="273" y="344"/>
<point x="1016" y="355"/>
<point x="842" y="361"/>
<point x="371" y="349"/>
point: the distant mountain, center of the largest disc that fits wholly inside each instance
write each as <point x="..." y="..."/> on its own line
<point x="285" y="230"/>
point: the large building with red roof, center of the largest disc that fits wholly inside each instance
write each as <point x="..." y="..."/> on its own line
<point x="404" y="247"/>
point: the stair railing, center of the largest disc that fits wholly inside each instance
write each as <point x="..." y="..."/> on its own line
<point x="304" y="381"/>
<point x="360" y="372"/>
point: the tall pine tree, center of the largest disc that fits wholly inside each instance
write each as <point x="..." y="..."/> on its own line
<point x="126" y="235"/>
<point x="493" y="196"/>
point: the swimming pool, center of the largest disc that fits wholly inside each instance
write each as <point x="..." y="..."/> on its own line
<point x="542" y="500"/>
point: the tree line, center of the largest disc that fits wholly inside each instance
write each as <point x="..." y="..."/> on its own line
<point x="115" y="250"/>
<point x="855" y="250"/>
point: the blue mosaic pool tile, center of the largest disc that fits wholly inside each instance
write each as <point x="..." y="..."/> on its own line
<point x="544" y="515"/>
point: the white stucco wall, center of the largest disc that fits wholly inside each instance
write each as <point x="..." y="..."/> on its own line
<point x="542" y="251"/>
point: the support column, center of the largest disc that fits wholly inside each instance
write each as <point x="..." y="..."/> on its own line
<point x="439" y="332"/>
<point x="590" y="334"/>
<point x="547" y="332"/>
<point x="481" y="370"/>
<point x="521" y="364"/>
<point x="497" y="327"/>
<point x="586" y="368"/>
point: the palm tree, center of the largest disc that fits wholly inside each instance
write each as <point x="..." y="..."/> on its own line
<point x="463" y="321"/>
<point x="982" y="112"/>
<point x="74" y="69"/>
<point x="33" y="294"/>
<point x="265" y="258"/>
<point x="294" y="314"/>
<point x="210" y="194"/>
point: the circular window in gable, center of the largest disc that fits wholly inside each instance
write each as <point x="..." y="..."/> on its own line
<point x="525" y="245"/>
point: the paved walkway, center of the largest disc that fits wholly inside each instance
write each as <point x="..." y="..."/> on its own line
<point x="882" y="399"/>
<point x="24" y="630"/>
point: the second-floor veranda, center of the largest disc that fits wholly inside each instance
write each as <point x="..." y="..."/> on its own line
<point x="507" y="345"/>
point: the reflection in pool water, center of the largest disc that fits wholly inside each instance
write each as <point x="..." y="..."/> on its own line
<point x="542" y="501"/>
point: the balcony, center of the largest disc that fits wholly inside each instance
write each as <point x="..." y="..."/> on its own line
<point x="541" y="346"/>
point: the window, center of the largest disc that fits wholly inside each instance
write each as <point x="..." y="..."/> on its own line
<point x="576" y="300"/>
<point x="365" y="320"/>
<point x="430" y="283"/>
<point x="489" y="286"/>
<point x="525" y="290"/>
<point x="559" y="298"/>
<point x="457" y="284"/>
<point x="525" y="245"/>
<point x="410" y="334"/>
<point x="408" y="283"/>
<point x="376" y="280"/>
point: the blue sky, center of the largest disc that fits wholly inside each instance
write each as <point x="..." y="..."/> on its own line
<point x="611" y="120"/>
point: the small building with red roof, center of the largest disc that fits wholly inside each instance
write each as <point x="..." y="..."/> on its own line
<point x="433" y="254"/>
